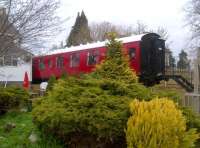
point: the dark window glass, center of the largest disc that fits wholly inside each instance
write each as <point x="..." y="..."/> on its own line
<point x="8" y="60"/>
<point x="41" y="64"/>
<point x="1" y="61"/>
<point x="60" y="62"/>
<point x="132" y="53"/>
<point x="74" y="60"/>
<point x="50" y="64"/>
<point x="159" y="44"/>
<point x="93" y="57"/>
<point x="14" y="61"/>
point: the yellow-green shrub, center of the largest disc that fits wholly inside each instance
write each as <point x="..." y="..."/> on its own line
<point x="158" y="124"/>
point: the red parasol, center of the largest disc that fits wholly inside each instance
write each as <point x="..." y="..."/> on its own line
<point x="26" y="81"/>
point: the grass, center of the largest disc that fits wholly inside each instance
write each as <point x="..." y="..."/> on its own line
<point x="18" y="136"/>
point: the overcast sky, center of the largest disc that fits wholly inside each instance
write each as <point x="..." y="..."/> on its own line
<point x="166" y="13"/>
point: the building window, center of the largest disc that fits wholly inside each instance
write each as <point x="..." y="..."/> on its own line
<point x="14" y="61"/>
<point x="8" y="60"/>
<point x="59" y="62"/>
<point x="93" y="57"/>
<point x="132" y="53"/>
<point x="41" y="64"/>
<point x="1" y="61"/>
<point x="74" y="60"/>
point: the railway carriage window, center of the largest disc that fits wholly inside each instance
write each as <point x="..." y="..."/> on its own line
<point x="60" y="62"/>
<point x="74" y="60"/>
<point x="41" y="64"/>
<point x="50" y="64"/>
<point x="93" y="57"/>
<point x="131" y="53"/>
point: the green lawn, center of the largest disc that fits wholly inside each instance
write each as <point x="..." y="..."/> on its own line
<point x="18" y="136"/>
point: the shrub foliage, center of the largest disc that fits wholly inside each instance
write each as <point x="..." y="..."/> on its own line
<point x="158" y="123"/>
<point x="12" y="97"/>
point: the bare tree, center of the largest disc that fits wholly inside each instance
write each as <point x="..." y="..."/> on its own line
<point x="98" y="30"/>
<point x="26" y="22"/>
<point x="140" y="28"/>
<point x="162" y="32"/>
<point x="192" y="10"/>
<point x="193" y="16"/>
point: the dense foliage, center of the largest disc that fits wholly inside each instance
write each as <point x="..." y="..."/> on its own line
<point x="82" y="107"/>
<point x="158" y="123"/>
<point x="51" y="82"/>
<point x="192" y="121"/>
<point x="12" y="97"/>
<point x="183" y="62"/>
<point x="116" y="65"/>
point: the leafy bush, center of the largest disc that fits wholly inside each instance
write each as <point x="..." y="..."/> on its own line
<point x="73" y="108"/>
<point x="192" y="121"/>
<point x="158" y="123"/>
<point x="12" y="97"/>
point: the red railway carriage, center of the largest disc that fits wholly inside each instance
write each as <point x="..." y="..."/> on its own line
<point x="146" y="53"/>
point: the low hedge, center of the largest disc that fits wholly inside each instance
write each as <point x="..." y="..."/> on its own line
<point x="12" y="97"/>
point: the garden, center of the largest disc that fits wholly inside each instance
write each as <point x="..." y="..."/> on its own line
<point x="108" y="108"/>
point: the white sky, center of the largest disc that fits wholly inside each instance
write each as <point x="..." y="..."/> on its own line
<point x="166" y="13"/>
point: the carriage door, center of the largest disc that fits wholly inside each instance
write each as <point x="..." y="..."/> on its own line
<point x="159" y="47"/>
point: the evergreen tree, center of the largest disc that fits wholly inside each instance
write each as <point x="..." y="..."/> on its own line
<point x="172" y="61"/>
<point x="183" y="62"/>
<point x="80" y="33"/>
<point x="116" y="66"/>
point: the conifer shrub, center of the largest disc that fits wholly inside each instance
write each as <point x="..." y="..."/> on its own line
<point x="116" y="66"/>
<point x="12" y="97"/>
<point x="82" y="107"/>
<point x="158" y="123"/>
<point x="51" y="82"/>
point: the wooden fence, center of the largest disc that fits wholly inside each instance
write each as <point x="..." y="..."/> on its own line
<point x="192" y="100"/>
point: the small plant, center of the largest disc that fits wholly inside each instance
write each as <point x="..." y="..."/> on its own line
<point x="158" y="124"/>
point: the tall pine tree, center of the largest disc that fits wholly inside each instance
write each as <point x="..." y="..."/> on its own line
<point x="80" y="33"/>
<point x="183" y="62"/>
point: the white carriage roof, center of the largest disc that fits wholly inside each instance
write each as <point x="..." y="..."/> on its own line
<point x="94" y="45"/>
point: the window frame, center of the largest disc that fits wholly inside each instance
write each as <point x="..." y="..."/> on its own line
<point x="94" y="55"/>
<point x="2" y="59"/>
<point x="75" y="60"/>
<point x="59" y="62"/>
<point x="14" y="61"/>
<point x="130" y="53"/>
<point x="41" y="64"/>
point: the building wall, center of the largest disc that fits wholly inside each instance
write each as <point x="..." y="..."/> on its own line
<point x="15" y="73"/>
